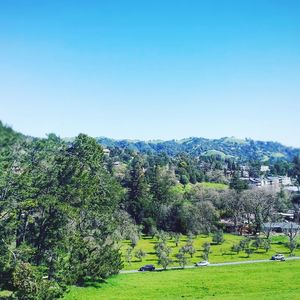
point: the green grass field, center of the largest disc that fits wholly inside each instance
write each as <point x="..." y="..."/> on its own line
<point x="181" y="189"/>
<point x="220" y="253"/>
<point x="274" y="280"/>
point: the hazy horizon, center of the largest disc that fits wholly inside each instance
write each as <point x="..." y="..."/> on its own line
<point x="149" y="140"/>
<point x="152" y="70"/>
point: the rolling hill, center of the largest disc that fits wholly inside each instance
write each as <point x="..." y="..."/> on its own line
<point x="242" y="150"/>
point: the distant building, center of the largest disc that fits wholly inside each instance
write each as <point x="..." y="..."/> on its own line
<point x="289" y="215"/>
<point x="280" y="227"/>
<point x="285" y="180"/>
<point x="106" y="151"/>
<point x="245" y="174"/>
<point x="264" y="169"/>
<point x="293" y="189"/>
<point x="271" y="182"/>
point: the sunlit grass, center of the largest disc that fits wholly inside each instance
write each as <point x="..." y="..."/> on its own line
<point x="274" y="280"/>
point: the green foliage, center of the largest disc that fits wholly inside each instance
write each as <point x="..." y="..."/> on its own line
<point x="236" y="248"/>
<point x="182" y="260"/>
<point x="189" y="249"/>
<point x="164" y="260"/>
<point x="65" y="206"/>
<point x="30" y="285"/>
<point x="140" y="254"/>
<point x="296" y="168"/>
<point x="89" y="259"/>
<point x="128" y="255"/>
<point x="206" y="251"/>
<point x="274" y="281"/>
<point x="238" y="184"/>
<point x="138" y="194"/>
<point x="218" y="237"/>
<point x="257" y="243"/>
<point x="292" y="245"/>
<point x="248" y="251"/>
<point x="134" y="238"/>
<point x="266" y="245"/>
<point x="177" y="237"/>
<point x="57" y="216"/>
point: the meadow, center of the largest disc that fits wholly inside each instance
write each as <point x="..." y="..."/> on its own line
<point x="219" y="253"/>
<point x="273" y="280"/>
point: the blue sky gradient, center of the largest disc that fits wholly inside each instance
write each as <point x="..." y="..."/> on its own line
<point x="152" y="69"/>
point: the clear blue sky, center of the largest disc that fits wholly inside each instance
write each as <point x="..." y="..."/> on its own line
<point x="152" y="69"/>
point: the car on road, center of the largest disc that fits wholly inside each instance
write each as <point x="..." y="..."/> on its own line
<point x="278" y="257"/>
<point x="203" y="263"/>
<point x="147" y="268"/>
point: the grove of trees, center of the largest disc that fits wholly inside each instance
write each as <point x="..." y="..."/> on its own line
<point x="65" y="208"/>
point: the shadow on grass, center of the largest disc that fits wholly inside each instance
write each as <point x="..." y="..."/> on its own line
<point x="95" y="284"/>
<point x="229" y="254"/>
<point x="149" y="259"/>
<point x="147" y="238"/>
<point x="244" y="256"/>
<point x="278" y="243"/>
<point x="167" y="270"/>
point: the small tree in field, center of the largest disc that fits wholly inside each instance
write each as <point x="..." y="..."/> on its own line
<point x="218" y="237"/>
<point x="257" y="243"/>
<point x="134" y="238"/>
<point x="182" y="260"/>
<point x="291" y="232"/>
<point x="128" y="255"/>
<point x="245" y="243"/>
<point x="236" y="248"/>
<point x="190" y="238"/>
<point x="177" y="237"/>
<point x="162" y="236"/>
<point x="206" y="250"/>
<point x="267" y="245"/>
<point x="140" y="254"/>
<point x="189" y="249"/>
<point x="292" y="245"/>
<point x="164" y="260"/>
<point x="162" y="247"/>
<point x="248" y="251"/>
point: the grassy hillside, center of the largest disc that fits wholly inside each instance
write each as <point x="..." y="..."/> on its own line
<point x="274" y="280"/>
<point x="219" y="253"/>
<point x="243" y="150"/>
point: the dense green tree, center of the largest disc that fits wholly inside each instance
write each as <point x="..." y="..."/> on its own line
<point x="237" y="183"/>
<point x="296" y="168"/>
<point x="218" y="237"/>
<point x="139" y="198"/>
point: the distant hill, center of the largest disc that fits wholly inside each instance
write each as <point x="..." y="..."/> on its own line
<point x="242" y="150"/>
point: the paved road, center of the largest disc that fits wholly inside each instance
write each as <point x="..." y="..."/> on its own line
<point x="217" y="265"/>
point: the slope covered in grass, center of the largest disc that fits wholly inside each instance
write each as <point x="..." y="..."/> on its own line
<point x="274" y="280"/>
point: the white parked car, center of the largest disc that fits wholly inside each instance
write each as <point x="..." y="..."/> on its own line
<point x="203" y="263"/>
<point x="278" y="257"/>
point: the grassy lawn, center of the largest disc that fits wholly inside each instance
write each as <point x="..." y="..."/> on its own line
<point x="180" y="188"/>
<point x="274" y="280"/>
<point x="220" y="253"/>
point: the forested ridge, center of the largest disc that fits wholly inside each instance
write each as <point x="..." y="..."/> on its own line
<point x="66" y="205"/>
<point x="242" y="150"/>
